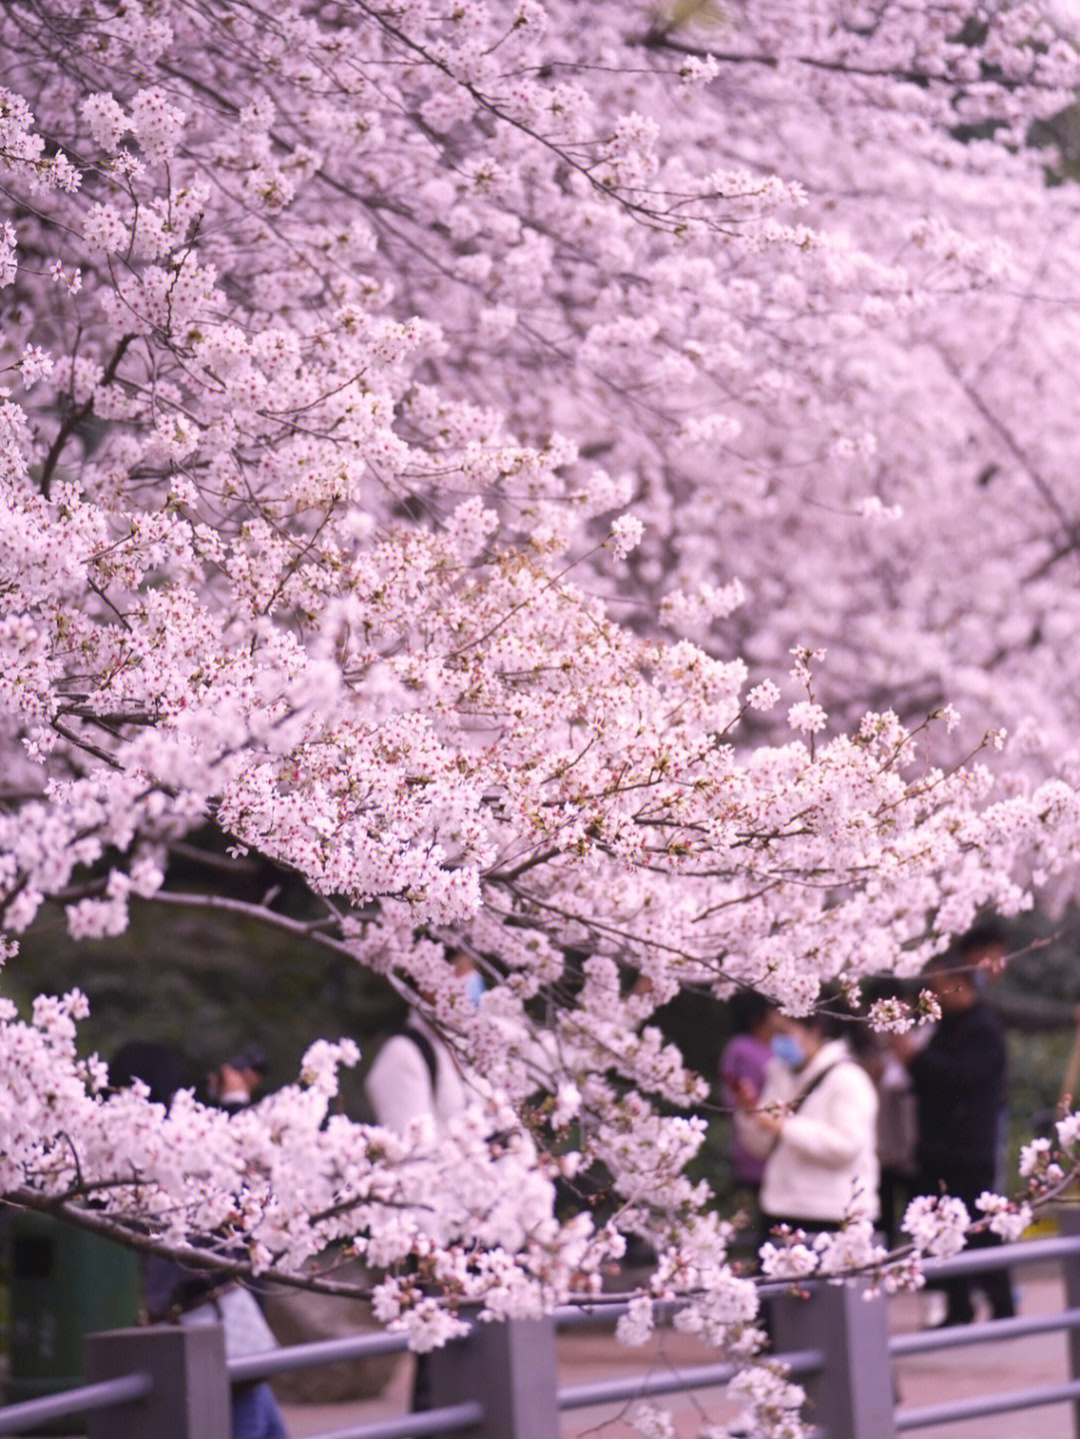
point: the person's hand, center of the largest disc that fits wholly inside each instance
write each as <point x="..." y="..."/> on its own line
<point x="744" y="1093"/>
<point x="770" y="1122"/>
<point x="904" y="1046"/>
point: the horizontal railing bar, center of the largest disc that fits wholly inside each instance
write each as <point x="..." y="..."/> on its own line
<point x="1028" y="1251"/>
<point x="597" y="1312"/>
<point x="307" y="1356"/>
<point x="1000" y="1256"/>
<point x="607" y="1391"/>
<point x="573" y="1316"/>
<point x="430" y="1421"/>
<point x="605" y="1310"/>
<point x="988" y="1404"/>
<point x="960" y="1335"/>
<point x="605" y="1307"/>
<point x="700" y="1376"/>
<point x="801" y="1361"/>
<point x="16" y="1417"/>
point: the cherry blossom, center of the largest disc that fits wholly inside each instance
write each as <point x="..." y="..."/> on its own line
<point x="589" y="484"/>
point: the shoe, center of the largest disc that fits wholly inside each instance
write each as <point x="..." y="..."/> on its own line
<point x="951" y="1321"/>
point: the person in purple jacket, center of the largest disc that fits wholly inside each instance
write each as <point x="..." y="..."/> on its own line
<point x="742" y="1074"/>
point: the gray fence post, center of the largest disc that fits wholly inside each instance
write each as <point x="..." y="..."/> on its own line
<point x="1069" y="1228"/>
<point x="189" y="1398"/>
<point x="509" y="1367"/>
<point x="852" y="1396"/>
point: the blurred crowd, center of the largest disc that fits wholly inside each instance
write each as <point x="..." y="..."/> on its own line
<point x="834" y="1121"/>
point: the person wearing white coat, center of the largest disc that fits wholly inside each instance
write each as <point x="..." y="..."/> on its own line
<point x="815" y="1124"/>
<point x="414" y="1073"/>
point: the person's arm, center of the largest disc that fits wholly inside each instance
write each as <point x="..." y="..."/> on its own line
<point x="756" y="1126"/>
<point x="740" y="1078"/>
<point x="1030" y="1013"/>
<point x="978" y="1060"/>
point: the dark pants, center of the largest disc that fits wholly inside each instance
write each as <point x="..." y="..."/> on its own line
<point x="420" y="1402"/>
<point x="896" y="1190"/>
<point x="255" y="1414"/>
<point x="966" y="1182"/>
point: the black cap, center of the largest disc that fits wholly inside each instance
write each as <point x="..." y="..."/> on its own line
<point x="252" y="1058"/>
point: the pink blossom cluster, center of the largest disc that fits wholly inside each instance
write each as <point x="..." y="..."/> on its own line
<point x="273" y="1186"/>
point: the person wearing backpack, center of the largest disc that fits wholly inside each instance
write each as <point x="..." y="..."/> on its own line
<point x="413" y="1074"/>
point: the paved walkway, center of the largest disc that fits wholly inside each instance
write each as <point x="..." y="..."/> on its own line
<point x="922" y="1379"/>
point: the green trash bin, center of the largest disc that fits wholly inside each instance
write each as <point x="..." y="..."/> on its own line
<point x="65" y="1284"/>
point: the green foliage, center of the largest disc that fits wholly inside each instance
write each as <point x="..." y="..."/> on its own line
<point x="206" y="982"/>
<point x="1045" y="956"/>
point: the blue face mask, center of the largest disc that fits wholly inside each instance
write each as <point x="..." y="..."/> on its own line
<point x="474" y="988"/>
<point x="787" y="1048"/>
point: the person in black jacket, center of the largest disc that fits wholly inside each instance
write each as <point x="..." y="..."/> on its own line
<point x="959" y="1081"/>
<point x="177" y="1293"/>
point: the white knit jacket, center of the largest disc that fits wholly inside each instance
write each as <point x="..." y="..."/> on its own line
<point x="824" y="1164"/>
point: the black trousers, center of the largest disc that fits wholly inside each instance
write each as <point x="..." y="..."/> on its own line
<point x="896" y="1190"/>
<point x="966" y="1182"/>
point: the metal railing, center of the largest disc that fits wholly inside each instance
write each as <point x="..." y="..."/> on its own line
<point x="851" y="1397"/>
<point x="500" y="1381"/>
<point x="1066" y="1252"/>
<point x="74" y="1402"/>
